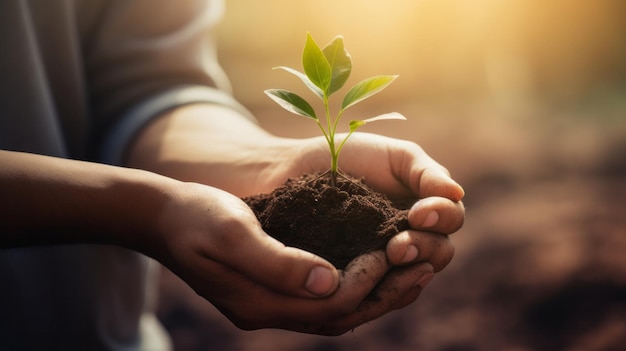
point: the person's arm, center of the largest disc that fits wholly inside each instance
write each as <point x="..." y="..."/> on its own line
<point x="48" y="200"/>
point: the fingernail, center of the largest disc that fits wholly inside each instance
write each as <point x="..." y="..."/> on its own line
<point x="321" y="281"/>
<point x="410" y="255"/>
<point x="431" y="219"/>
<point x="424" y="280"/>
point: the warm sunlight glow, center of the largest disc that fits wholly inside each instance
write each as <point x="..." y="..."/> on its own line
<point x="509" y="51"/>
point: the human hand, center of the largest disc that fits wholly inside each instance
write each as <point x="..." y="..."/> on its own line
<point x="243" y="159"/>
<point x="213" y="241"/>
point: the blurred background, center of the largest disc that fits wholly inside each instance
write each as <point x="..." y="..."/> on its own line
<point x="524" y="101"/>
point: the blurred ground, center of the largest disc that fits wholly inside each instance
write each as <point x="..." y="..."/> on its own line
<point x="538" y="141"/>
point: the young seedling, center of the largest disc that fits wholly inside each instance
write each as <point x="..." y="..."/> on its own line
<point x="325" y="72"/>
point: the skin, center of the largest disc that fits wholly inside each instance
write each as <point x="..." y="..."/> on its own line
<point x="183" y="208"/>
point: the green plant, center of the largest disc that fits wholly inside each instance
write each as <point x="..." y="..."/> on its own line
<point x="325" y="72"/>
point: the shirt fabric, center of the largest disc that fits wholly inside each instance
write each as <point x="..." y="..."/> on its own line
<point x="78" y="79"/>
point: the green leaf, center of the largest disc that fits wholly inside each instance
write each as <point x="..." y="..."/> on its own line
<point x="315" y="64"/>
<point x="340" y="63"/>
<point x="365" y="89"/>
<point x="354" y="125"/>
<point x="304" y="79"/>
<point x="291" y="102"/>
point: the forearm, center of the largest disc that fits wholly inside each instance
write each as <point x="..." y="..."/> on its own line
<point x="213" y="145"/>
<point x="48" y="200"/>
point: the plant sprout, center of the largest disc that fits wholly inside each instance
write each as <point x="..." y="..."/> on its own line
<point x="325" y="72"/>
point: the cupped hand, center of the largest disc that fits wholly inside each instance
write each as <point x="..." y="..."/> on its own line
<point x="213" y="241"/>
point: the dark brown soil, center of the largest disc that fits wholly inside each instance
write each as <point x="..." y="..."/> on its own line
<point x="337" y="223"/>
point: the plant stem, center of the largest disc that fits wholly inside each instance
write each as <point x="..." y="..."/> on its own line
<point x="343" y="142"/>
<point x="331" y="141"/>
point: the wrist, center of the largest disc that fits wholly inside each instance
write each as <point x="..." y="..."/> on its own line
<point x="137" y="200"/>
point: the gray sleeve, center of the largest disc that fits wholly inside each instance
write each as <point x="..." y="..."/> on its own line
<point x="114" y="145"/>
<point x="145" y="57"/>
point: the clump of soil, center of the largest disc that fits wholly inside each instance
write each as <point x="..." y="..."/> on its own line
<point x="337" y="222"/>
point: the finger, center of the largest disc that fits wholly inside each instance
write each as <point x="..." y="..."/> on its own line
<point x="437" y="214"/>
<point x="421" y="173"/>
<point x="288" y="270"/>
<point x="436" y="181"/>
<point x="415" y="292"/>
<point x="361" y="275"/>
<point x="417" y="246"/>
<point x="398" y="288"/>
<point x="357" y="281"/>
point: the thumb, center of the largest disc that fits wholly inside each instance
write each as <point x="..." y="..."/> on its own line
<point x="284" y="269"/>
<point x="436" y="181"/>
